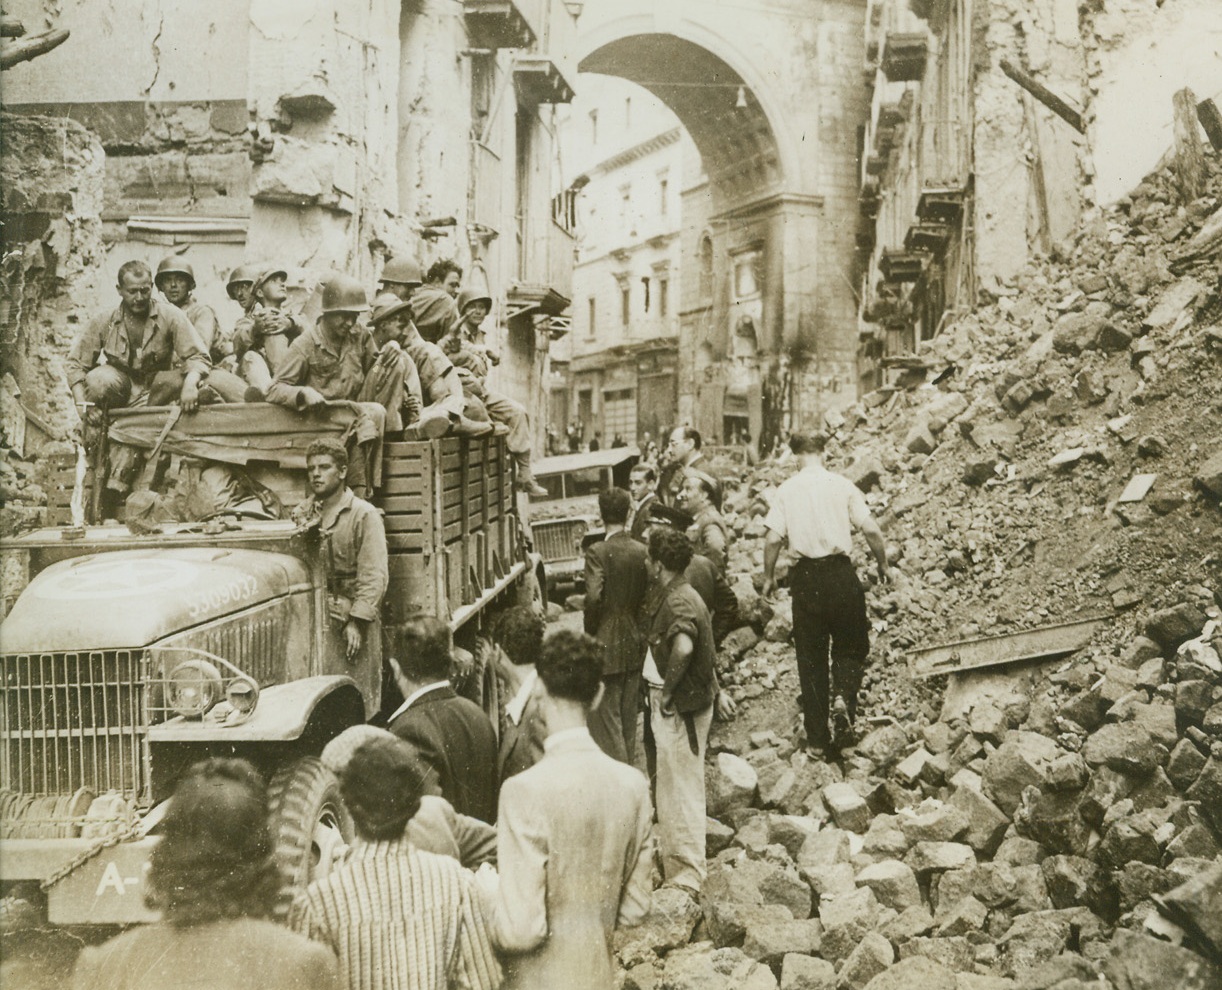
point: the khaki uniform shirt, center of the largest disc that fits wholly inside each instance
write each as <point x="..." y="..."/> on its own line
<point x="203" y="319"/>
<point x="312" y="362"/>
<point x="354" y="547"/>
<point x="439" y="381"/>
<point x="170" y="342"/>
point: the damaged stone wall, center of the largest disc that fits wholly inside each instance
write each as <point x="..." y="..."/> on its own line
<point x="1023" y="176"/>
<point x="51" y="195"/>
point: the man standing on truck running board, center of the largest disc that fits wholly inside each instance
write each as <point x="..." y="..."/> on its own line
<point x="354" y="551"/>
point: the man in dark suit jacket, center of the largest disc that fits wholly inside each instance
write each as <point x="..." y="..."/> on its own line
<point x="451" y="734"/>
<point x="616" y="582"/>
<point x="643" y="487"/>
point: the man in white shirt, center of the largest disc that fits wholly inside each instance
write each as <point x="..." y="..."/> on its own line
<point x="817" y="511"/>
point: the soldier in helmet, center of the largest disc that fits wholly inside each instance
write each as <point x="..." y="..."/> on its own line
<point x="175" y="279"/>
<point x="262" y="337"/>
<point x="241" y="282"/>
<point x="401" y="277"/>
<point x="472" y="361"/>
<point x="330" y="360"/>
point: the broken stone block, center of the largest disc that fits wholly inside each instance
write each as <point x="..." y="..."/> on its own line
<point x="987" y="721"/>
<point x="915" y="766"/>
<point x="883" y="746"/>
<point x="848" y="808"/>
<point x="785" y="887"/>
<point x="728" y="898"/>
<point x="1067" y="971"/>
<point x="1195" y="841"/>
<point x="865" y="472"/>
<point x="831" y="880"/>
<point x="780" y="627"/>
<point x="1074" y="880"/>
<point x="955" y="954"/>
<point x="825" y="848"/>
<point x="1197" y="906"/>
<point x="1018" y="397"/>
<point x="1067" y="772"/>
<point x="1039" y="936"/>
<point x="716" y="836"/>
<point x="1075" y="332"/>
<point x="917" y="973"/>
<point x="1125" y="747"/>
<point x="846" y="919"/>
<point x="1106" y="787"/>
<point x="1138" y="962"/>
<point x="963" y="917"/>
<point x="1139" y="651"/>
<point x="770" y="941"/>
<point x="1171" y="626"/>
<point x="909" y="923"/>
<point x="777" y="783"/>
<point x="987" y="823"/>
<point x="1017" y="851"/>
<point x="1138" y="882"/>
<point x="739" y="641"/>
<point x="1054" y="820"/>
<point x="1020" y="761"/>
<point x="1113" y="338"/>
<point x="872" y="956"/>
<point x="790" y="831"/>
<point x="1088" y="389"/>
<point x="884" y="840"/>
<point x="1157" y="719"/>
<point x="920" y="440"/>
<point x="1207" y="789"/>
<point x="893" y="883"/>
<point x="936" y="823"/>
<point x="1087" y="709"/>
<point x="1209" y="476"/>
<point x="1131" y="839"/>
<point x="807" y="973"/>
<point x="672" y="917"/>
<point x="732" y="784"/>
<point x="701" y="967"/>
<point x="934" y="857"/>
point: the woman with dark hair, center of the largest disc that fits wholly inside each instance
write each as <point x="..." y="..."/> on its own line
<point x="215" y="881"/>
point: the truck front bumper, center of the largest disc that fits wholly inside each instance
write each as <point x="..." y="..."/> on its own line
<point x="105" y="889"/>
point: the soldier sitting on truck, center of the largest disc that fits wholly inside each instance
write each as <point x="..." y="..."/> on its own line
<point x="175" y="279"/>
<point x="444" y="401"/>
<point x="262" y="336"/>
<point x="401" y="277"/>
<point x="354" y="552"/>
<point x="472" y="362"/>
<point x="433" y="309"/>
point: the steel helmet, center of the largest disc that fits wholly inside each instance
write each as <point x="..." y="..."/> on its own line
<point x="174" y="265"/>
<point x="343" y="294"/>
<point x="269" y="273"/>
<point x="386" y="305"/>
<point x="243" y="273"/>
<point x="470" y="296"/>
<point x="403" y="271"/>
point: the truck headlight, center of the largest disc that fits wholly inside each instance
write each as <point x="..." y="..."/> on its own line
<point x="242" y="695"/>
<point x="193" y="687"/>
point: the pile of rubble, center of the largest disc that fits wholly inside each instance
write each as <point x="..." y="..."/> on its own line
<point x="1054" y="454"/>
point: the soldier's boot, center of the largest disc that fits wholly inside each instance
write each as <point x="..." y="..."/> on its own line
<point x="526" y="479"/>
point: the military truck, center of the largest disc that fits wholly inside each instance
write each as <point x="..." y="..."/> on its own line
<point x="132" y="652"/>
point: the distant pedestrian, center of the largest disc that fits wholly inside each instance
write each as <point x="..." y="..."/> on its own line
<point x="680" y="674"/>
<point x="597" y="442"/>
<point x="397" y="918"/>
<point x="617" y="579"/>
<point x="816" y="511"/>
<point x="575" y="851"/>
<point x="215" y="881"/>
<point x="453" y="735"/>
<point x="618" y="441"/>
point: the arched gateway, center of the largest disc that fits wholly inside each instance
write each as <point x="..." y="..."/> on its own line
<point x="772" y="96"/>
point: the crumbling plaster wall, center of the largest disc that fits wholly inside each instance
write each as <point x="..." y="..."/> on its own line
<point x="51" y="199"/>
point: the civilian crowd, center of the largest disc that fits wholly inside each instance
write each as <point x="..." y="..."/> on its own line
<point x="505" y="853"/>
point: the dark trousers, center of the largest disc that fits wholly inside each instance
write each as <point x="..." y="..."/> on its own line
<point x="829" y="609"/>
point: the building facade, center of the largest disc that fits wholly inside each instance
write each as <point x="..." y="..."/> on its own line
<point x="322" y="135"/>
<point x="622" y="353"/>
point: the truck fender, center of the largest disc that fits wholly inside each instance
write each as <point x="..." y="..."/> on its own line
<point x="283" y="714"/>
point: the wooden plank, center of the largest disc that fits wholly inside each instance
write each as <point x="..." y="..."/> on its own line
<point x="1211" y="119"/>
<point x="406" y="541"/>
<point x="1061" y="107"/>
<point x="394" y="504"/>
<point x="410" y="485"/>
<point x="1041" y="643"/>
<point x="1189" y="164"/>
<point x="403" y="469"/>
<point x="405" y="524"/>
<point x="406" y="448"/>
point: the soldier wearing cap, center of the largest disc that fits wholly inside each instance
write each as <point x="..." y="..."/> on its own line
<point x="443" y="400"/>
<point x="401" y="277"/>
<point x="472" y="361"/>
<point x="262" y="337"/>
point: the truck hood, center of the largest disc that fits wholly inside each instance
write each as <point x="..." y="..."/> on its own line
<point x="127" y="599"/>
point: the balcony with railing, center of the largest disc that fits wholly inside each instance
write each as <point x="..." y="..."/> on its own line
<point x="503" y="23"/>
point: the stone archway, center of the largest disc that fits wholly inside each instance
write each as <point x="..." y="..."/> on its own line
<point x="772" y="102"/>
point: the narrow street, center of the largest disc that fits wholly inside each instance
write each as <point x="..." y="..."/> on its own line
<point x="636" y="495"/>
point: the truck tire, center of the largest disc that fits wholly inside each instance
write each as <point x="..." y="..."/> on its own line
<point x="309" y="825"/>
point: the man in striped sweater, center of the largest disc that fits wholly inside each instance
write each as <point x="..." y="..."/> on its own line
<point x="397" y="918"/>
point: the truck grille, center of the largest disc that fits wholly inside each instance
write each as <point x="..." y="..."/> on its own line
<point x="558" y="539"/>
<point x="73" y="720"/>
